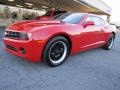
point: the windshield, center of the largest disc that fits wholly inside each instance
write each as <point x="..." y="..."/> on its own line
<point x="70" y="18"/>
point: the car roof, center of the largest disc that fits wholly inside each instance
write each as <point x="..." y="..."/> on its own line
<point x="88" y="14"/>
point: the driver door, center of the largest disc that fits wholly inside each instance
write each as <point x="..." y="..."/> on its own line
<point x="91" y="35"/>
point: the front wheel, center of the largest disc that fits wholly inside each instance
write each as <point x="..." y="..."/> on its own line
<point x="56" y="51"/>
<point x="110" y="42"/>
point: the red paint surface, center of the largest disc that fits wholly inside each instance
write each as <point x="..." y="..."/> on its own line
<point x="42" y="31"/>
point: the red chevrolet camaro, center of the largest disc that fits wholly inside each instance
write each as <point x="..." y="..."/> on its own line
<point x="52" y="41"/>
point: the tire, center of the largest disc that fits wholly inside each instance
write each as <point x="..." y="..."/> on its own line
<point x="109" y="44"/>
<point x="56" y="51"/>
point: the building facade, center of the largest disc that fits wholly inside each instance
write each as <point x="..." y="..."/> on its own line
<point x="12" y="11"/>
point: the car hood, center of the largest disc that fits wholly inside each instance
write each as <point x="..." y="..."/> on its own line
<point x="30" y="24"/>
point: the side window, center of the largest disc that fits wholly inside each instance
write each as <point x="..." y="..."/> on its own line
<point x="96" y="20"/>
<point x="103" y="22"/>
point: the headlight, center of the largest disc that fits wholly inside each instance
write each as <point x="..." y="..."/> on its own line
<point x="5" y="33"/>
<point x="29" y="35"/>
<point x="25" y="36"/>
<point x="18" y="35"/>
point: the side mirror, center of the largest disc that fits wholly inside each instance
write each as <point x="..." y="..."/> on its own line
<point x="88" y="23"/>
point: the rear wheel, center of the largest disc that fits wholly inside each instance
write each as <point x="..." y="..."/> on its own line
<point x="56" y="51"/>
<point x="110" y="42"/>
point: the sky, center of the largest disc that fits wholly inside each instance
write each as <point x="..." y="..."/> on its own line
<point x="115" y="5"/>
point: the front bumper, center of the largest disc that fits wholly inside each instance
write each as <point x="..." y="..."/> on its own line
<point x="33" y="49"/>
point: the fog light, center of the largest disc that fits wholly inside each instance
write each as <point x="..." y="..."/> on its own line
<point x="22" y="50"/>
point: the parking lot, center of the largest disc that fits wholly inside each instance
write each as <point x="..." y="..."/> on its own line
<point x="96" y="69"/>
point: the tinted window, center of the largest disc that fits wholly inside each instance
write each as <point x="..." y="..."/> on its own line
<point x="74" y="18"/>
<point x="56" y="16"/>
<point x="96" y="20"/>
<point x="61" y="17"/>
<point x="70" y="18"/>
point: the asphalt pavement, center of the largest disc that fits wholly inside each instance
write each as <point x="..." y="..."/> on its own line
<point x="95" y="69"/>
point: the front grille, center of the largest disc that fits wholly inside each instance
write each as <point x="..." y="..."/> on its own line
<point x="11" y="34"/>
<point x="11" y="48"/>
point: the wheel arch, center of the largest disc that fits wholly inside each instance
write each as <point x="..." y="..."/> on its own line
<point x="113" y="33"/>
<point x="62" y="35"/>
